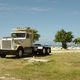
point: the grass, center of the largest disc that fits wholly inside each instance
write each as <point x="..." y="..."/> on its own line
<point x="61" y="66"/>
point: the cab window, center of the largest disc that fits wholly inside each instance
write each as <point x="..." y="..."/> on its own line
<point x="15" y="35"/>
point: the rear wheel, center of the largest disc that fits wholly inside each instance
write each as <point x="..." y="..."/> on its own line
<point x="47" y="51"/>
<point x="44" y="51"/>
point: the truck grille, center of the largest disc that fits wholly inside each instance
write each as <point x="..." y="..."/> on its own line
<point x="6" y="44"/>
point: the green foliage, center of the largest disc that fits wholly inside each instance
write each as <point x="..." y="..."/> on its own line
<point x="36" y="35"/>
<point x="77" y="40"/>
<point x="64" y="37"/>
<point x="60" y="36"/>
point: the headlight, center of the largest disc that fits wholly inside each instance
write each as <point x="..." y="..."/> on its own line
<point x="40" y="47"/>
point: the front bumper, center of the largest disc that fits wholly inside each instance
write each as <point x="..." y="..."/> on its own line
<point x="8" y="52"/>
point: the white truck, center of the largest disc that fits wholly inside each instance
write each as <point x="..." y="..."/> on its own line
<point x="20" y="43"/>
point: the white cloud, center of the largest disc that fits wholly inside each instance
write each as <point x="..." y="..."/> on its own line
<point x="5" y="8"/>
<point x="8" y="7"/>
<point x="2" y="4"/>
<point x="46" y="0"/>
<point x="36" y="9"/>
<point x="19" y="8"/>
<point x="76" y="13"/>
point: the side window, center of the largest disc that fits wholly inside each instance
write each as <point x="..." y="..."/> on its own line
<point x="13" y="35"/>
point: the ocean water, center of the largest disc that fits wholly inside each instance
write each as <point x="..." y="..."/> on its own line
<point x="68" y="44"/>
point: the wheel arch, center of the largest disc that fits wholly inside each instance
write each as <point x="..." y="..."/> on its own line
<point x="20" y="48"/>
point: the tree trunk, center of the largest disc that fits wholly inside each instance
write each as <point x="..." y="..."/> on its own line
<point x="64" y="45"/>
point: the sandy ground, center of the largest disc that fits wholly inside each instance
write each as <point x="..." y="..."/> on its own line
<point x="69" y="50"/>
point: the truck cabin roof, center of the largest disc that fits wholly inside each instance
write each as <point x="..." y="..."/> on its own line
<point x="23" y="30"/>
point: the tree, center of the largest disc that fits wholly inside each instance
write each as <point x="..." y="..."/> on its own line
<point x="63" y="37"/>
<point x="36" y="36"/>
<point x="77" y="40"/>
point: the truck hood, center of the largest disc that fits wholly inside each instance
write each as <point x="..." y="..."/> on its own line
<point x="7" y="38"/>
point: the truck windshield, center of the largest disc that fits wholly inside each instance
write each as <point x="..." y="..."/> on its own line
<point x="15" y="35"/>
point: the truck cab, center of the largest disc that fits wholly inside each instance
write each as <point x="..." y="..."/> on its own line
<point x="18" y="44"/>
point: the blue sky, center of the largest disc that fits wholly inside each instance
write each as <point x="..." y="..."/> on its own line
<point x="47" y="16"/>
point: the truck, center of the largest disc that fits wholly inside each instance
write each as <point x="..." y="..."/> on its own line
<point x="20" y="43"/>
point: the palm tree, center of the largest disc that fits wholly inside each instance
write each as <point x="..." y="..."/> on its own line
<point x="35" y="36"/>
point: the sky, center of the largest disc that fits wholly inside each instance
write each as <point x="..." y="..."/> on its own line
<point x="46" y="16"/>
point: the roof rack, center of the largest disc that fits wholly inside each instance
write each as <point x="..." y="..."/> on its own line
<point x="27" y="29"/>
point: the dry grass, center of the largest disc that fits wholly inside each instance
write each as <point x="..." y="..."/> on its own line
<point x="61" y="66"/>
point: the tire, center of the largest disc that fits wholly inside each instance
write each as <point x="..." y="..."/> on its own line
<point x="34" y="51"/>
<point x="44" y="51"/>
<point x="19" y="53"/>
<point x="3" y="55"/>
<point x="47" y="51"/>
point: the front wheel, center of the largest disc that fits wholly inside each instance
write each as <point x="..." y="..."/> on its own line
<point x="3" y="55"/>
<point x="19" y="53"/>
